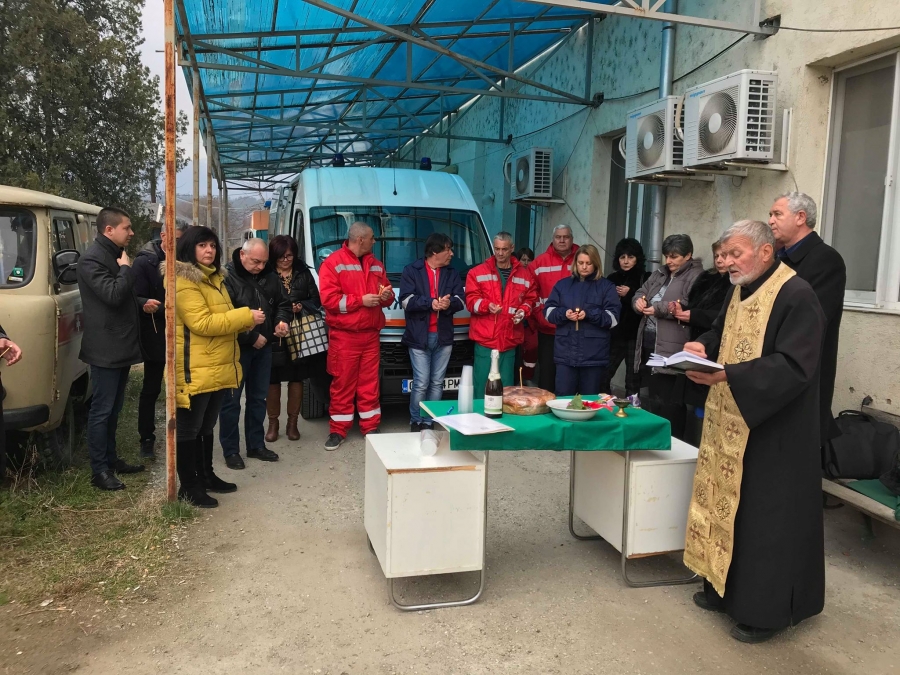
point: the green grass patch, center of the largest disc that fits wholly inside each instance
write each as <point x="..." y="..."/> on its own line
<point x="60" y="537"/>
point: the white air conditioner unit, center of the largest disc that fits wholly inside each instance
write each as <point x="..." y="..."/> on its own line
<point x="731" y="118"/>
<point x="531" y="174"/>
<point x="651" y="145"/>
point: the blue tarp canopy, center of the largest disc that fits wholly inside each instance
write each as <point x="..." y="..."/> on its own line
<point x="285" y="85"/>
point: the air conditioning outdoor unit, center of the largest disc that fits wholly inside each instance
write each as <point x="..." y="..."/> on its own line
<point x="532" y="174"/>
<point x="731" y="118"/>
<point x="651" y="145"/>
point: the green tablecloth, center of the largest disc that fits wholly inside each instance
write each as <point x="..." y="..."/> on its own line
<point x="639" y="431"/>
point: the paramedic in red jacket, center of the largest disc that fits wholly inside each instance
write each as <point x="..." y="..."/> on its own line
<point x="500" y="294"/>
<point x="354" y="287"/>
<point x="551" y="266"/>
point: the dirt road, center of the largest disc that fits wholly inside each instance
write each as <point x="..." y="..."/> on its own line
<point x="279" y="579"/>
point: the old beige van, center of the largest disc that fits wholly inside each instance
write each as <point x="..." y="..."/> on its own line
<point x="41" y="238"/>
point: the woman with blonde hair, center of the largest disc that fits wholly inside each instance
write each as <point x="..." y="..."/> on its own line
<point x="584" y="308"/>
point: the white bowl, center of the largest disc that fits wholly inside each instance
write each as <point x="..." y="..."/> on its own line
<point x="558" y="408"/>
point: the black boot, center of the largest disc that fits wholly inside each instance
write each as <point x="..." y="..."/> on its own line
<point x="191" y="489"/>
<point x="210" y="480"/>
<point x="148" y="449"/>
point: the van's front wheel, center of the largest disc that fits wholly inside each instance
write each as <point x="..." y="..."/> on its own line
<point x="313" y="406"/>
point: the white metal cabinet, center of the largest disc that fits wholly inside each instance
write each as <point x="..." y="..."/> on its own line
<point x="659" y="495"/>
<point x="423" y="515"/>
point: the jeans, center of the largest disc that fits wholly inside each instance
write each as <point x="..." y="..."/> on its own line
<point x="106" y="404"/>
<point x="584" y="380"/>
<point x="200" y="419"/>
<point x="257" y="367"/>
<point x="153" y="377"/>
<point x="429" y="367"/>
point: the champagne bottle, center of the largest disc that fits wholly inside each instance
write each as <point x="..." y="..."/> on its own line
<point x="493" y="390"/>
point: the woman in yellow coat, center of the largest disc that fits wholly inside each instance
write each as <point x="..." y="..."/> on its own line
<point x="207" y="359"/>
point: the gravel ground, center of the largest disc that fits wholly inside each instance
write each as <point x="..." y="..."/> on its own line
<point x="279" y="579"/>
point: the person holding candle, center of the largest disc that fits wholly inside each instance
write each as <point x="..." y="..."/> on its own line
<point x="584" y="307"/>
<point x="252" y="282"/>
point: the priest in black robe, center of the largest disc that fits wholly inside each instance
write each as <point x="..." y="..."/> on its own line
<point x="755" y="529"/>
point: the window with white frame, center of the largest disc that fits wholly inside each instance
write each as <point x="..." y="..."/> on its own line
<point x="861" y="210"/>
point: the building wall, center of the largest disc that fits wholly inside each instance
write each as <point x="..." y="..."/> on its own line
<point x="626" y="61"/>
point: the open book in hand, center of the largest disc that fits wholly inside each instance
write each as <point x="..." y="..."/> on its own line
<point x="684" y="361"/>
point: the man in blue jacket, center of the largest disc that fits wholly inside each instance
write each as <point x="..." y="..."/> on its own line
<point x="431" y="292"/>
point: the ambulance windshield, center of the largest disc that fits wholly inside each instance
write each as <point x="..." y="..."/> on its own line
<point x="401" y="233"/>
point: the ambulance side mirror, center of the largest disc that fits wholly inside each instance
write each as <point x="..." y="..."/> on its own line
<point x="65" y="266"/>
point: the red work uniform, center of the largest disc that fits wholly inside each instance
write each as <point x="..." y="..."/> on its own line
<point x="483" y="288"/>
<point x="354" y="353"/>
<point x="548" y="268"/>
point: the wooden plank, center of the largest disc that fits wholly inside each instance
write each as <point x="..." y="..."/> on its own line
<point x="859" y="501"/>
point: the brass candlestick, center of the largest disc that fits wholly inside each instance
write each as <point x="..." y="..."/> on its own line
<point x="621" y="404"/>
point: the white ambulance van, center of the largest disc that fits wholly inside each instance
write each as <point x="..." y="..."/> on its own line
<point x="403" y="207"/>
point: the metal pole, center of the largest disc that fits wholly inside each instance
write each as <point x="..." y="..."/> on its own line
<point x="659" y="194"/>
<point x="169" y="13"/>
<point x="221" y="225"/>
<point x="209" y="194"/>
<point x="196" y="157"/>
<point x="224" y="208"/>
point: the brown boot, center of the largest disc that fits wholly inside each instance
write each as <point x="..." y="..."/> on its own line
<point x="295" y="398"/>
<point x="273" y="410"/>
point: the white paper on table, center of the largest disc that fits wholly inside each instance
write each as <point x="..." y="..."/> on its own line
<point x="472" y="424"/>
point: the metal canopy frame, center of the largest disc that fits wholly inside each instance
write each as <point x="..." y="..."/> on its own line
<point x="324" y="107"/>
<point x="420" y="72"/>
<point x="650" y="9"/>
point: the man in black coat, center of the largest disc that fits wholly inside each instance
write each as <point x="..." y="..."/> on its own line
<point x="111" y="343"/>
<point x="151" y="297"/>
<point x="252" y="282"/>
<point x="793" y="219"/>
<point x="9" y="352"/>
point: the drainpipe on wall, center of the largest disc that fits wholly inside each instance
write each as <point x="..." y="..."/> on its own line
<point x="658" y="194"/>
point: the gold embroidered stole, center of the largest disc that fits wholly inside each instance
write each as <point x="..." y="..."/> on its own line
<point x="717" y="480"/>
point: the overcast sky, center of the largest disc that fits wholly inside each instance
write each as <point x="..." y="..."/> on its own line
<point x="153" y="58"/>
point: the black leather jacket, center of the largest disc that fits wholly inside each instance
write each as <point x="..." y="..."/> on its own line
<point x="257" y="291"/>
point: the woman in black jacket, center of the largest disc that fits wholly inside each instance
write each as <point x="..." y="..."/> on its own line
<point x="301" y="288"/>
<point x="629" y="275"/>
<point x="703" y="304"/>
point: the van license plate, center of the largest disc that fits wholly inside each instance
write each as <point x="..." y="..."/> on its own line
<point x="450" y="384"/>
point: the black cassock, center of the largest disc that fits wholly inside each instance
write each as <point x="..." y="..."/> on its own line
<point x="777" y="573"/>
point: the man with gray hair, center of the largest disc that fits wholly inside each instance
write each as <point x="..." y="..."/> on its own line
<point x="252" y="282"/>
<point x="151" y="296"/>
<point x="755" y="529"/>
<point x="793" y="219"/>
<point x="551" y="266"/>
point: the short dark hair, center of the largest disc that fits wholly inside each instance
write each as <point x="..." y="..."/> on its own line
<point x="629" y="246"/>
<point x="111" y="216"/>
<point x="281" y="245"/>
<point x="437" y="242"/>
<point x="187" y="245"/>
<point x="525" y="251"/>
<point x="679" y="244"/>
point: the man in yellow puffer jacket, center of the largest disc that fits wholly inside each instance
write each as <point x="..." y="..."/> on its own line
<point x="207" y="358"/>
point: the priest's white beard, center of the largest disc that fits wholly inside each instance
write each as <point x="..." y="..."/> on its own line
<point x="748" y="278"/>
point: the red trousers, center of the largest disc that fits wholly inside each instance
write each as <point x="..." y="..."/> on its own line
<point x="530" y="350"/>
<point x="353" y="362"/>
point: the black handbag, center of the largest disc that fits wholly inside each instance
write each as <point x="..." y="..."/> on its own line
<point x="866" y="448"/>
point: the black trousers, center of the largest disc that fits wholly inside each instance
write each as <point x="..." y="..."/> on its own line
<point x="622" y="350"/>
<point x="200" y="419"/>
<point x="546" y="365"/>
<point x="153" y="377"/>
